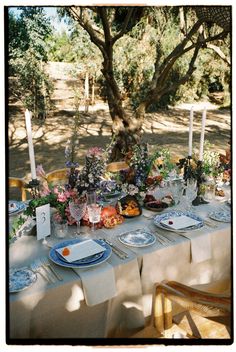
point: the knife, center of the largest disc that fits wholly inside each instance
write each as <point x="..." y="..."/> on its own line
<point x="117" y="249"/>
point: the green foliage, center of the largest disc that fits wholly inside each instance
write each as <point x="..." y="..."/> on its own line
<point x="27" y="53"/>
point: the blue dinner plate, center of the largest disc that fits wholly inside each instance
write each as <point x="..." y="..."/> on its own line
<point x="53" y="255"/>
<point x="175" y="213"/>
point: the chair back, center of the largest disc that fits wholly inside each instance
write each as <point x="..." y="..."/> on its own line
<point x="15" y="182"/>
<point x="57" y="176"/>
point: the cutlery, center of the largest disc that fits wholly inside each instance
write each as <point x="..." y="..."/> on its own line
<point x="116" y="250"/>
<point x="36" y="269"/>
<point x="50" y="267"/>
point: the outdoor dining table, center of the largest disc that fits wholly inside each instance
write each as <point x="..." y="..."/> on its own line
<point x="59" y="310"/>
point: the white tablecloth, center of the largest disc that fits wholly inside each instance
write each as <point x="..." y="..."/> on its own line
<point x="59" y="310"/>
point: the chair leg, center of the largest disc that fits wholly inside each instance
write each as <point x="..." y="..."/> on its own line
<point x="158" y="313"/>
<point x="23" y="194"/>
<point x="167" y="313"/>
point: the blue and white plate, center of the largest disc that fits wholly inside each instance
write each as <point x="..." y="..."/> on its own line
<point x="220" y="215"/>
<point x="15" y="207"/>
<point x="171" y="214"/>
<point x="83" y="263"/>
<point x="20" y="279"/>
<point x="137" y="238"/>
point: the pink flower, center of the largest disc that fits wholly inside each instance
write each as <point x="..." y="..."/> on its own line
<point x="70" y="219"/>
<point x="55" y="190"/>
<point x="95" y="151"/>
<point x="40" y="171"/>
<point x="45" y="190"/>
<point x="61" y="197"/>
<point x="57" y="217"/>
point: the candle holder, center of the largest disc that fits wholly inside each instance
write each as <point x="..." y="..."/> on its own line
<point x="188" y="168"/>
<point x="199" y="176"/>
<point x="33" y="185"/>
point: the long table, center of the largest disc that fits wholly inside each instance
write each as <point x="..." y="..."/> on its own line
<point x="59" y="310"/>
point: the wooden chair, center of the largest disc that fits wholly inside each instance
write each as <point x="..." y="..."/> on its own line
<point x="117" y="166"/>
<point x="193" y="312"/>
<point x="57" y="176"/>
<point x="15" y="182"/>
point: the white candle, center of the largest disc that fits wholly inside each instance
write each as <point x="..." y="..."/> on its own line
<point x="190" y="138"/>
<point x="30" y="143"/>
<point x="202" y="135"/>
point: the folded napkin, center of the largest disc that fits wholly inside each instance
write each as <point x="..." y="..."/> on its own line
<point x="80" y="250"/>
<point x="98" y="283"/>
<point x="179" y="222"/>
<point x="200" y="246"/>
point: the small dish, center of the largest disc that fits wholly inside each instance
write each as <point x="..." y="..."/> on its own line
<point x="137" y="238"/>
<point x="20" y="279"/>
<point x="220" y="215"/>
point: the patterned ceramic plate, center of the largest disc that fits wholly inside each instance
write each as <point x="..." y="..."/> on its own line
<point x="171" y="214"/>
<point x="221" y="215"/>
<point x="137" y="238"/>
<point x="20" y="279"/>
<point x="15" y="207"/>
<point x="53" y="255"/>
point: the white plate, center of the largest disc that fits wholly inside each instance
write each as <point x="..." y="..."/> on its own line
<point x="137" y="238"/>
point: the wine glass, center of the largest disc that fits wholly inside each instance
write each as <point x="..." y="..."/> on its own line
<point x="77" y="210"/>
<point x="94" y="213"/>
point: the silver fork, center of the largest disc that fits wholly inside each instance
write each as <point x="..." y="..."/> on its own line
<point x="36" y="269"/>
<point x="46" y="264"/>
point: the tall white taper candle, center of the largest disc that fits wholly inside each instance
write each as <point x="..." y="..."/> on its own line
<point x="190" y="138"/>
<point x="30" y="143"/>
<point x="202" y="135"/>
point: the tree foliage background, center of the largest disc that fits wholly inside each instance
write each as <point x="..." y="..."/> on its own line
<point x="156" y="31"/>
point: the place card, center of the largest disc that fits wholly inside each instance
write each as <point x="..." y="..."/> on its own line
<point x="179" y="222"/>
<point x="43" y="221"/>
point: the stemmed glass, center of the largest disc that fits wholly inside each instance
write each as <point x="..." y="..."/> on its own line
<point x="77" y="210"/>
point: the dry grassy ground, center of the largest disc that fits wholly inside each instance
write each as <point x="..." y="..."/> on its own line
<point x="163" y="129"/>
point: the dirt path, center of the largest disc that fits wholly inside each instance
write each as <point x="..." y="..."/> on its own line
<point x="163" y="129"/>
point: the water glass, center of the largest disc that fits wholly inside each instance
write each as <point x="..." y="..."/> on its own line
<point x="60" y="228"/>
<point x="190" y="192"/>
<point x="94" y="213"/>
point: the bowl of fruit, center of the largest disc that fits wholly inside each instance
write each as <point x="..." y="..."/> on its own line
<point x="157" y="205"/>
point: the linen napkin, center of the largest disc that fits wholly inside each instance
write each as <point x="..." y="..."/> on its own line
<point x="80" y="250"/>
<point x="98" y="282"/>
<point x="200" y="246"/>
<point x="179" y="222"/>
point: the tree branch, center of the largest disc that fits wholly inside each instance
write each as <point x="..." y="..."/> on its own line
<point x="124" y="27"/>
<point x="220" y="53"/>
<point x="186" y="77"/>
<point x="81" y="18"/>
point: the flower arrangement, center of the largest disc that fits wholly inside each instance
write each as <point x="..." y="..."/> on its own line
<point x="137" y="180"/>
<point x="92" y="172"/>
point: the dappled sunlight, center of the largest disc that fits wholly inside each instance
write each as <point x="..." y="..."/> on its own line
<point x="31" y="302"/>
<point x="167" y="128"/>
<point x="77" y="295"/>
